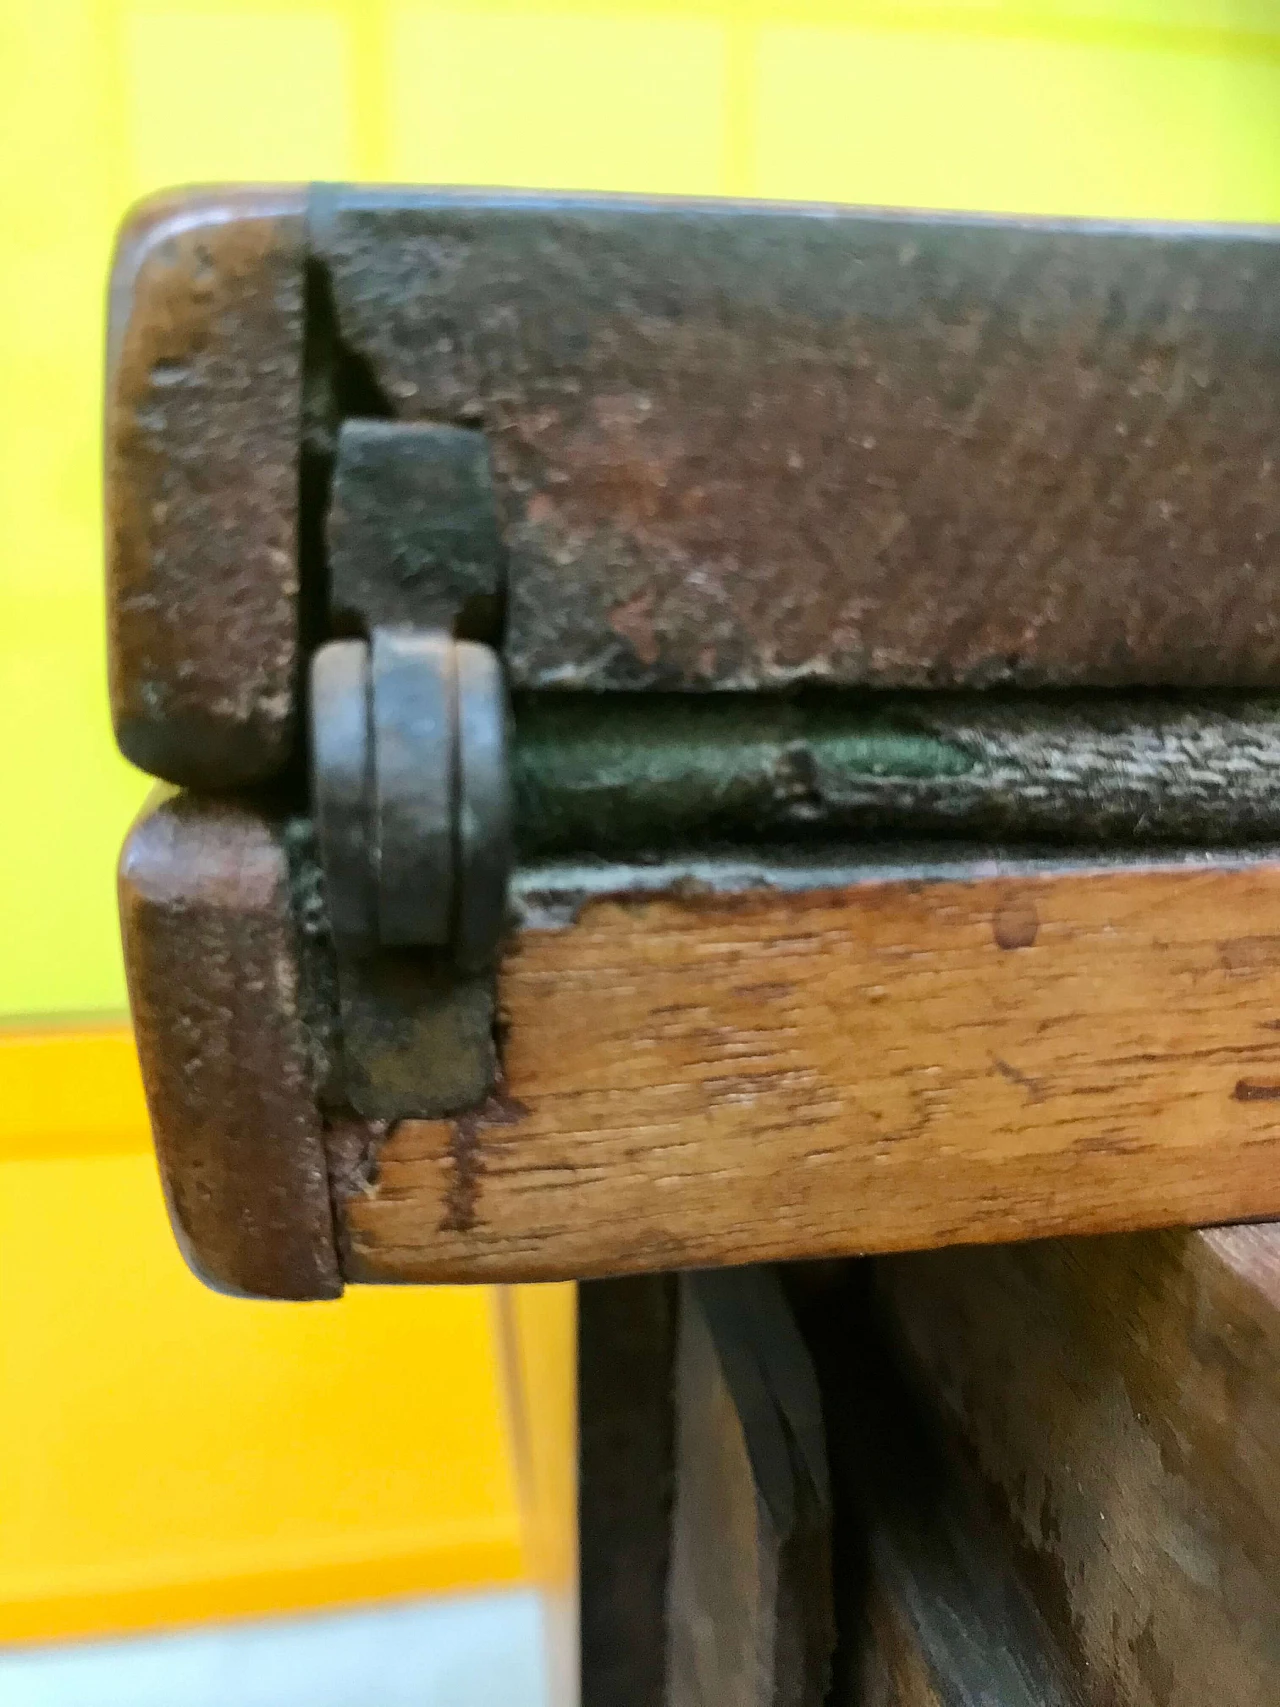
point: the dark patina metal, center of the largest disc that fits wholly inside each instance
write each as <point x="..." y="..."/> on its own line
<point x="342" y="790"/>
<point x="413" y="815"/>
<point x="620" y="773"/>
<point x="413" y="530"/>
<point x="415" y="785"/>
<point x="417" y="1034"/>
<point x="485" y="848"/>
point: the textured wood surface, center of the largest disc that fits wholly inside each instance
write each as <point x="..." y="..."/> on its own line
<point x="749" y="1619"/>
<point x="743" y="445"/>
<point x="203" y="431"/>
<point x="214" y="985"/>
<point x="626" y="1353"/>
<point x="702" y="1078"/>
<point x="896" y="1670"/>
<point x="1121" y="1400"/>
<point x="931" y="1607"/>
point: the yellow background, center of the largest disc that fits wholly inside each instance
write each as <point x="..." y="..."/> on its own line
<point x="163" y="1453"/>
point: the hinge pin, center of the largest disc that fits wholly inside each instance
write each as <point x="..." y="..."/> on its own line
<point x="412" y="793"/>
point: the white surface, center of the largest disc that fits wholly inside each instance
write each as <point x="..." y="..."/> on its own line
<point x="464" y="1651"/>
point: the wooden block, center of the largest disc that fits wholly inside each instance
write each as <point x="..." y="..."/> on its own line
<point x="942" y="1619"/>
<point x="897" y="1670"/>
<point x="203" y="438"/>
<point x="1120" y="1399"/>
<point x="931" y="1608"/>
<point x="749" y="1611"/>
<point x="626" y="1356"/>
<point x="741" y="445"/>
<point x="215" y="986"/>
<point x="910" y="1060"/>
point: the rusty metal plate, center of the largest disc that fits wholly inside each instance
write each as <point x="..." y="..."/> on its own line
<point x="742" y="446"/>
<point x="204" y="410"/>
<point x="412" y="531"/>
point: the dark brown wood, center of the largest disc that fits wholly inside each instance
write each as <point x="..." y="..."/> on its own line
<point x="943" y="1620"/>
<point x="909" y="1057"/>
<point x="214" y="983"/>
<point x="1120" y="1399"/>
<point x="896" y="1670"/>
<point x="929" y="1602"/>
<point x="204" y="401"/>
<point x="750" y="1621"/>
<point x="626" y="1352"/>
<point x="750" y="446"/>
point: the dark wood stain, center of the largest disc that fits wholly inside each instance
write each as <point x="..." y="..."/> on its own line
<point x="1033" y="1087"/>
<point x="466" y="1154"/>
<point x="1015" y="923"/>
<point x="1257" y="1090"/>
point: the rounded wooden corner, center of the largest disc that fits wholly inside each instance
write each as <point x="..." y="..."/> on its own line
<point x="203" y="433"/>
<point x="215" y="985"/>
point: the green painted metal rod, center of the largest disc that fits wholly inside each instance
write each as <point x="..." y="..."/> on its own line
<point x="616" y="773"/>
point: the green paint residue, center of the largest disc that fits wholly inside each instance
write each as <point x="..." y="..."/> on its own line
<point x="892" y="754"/>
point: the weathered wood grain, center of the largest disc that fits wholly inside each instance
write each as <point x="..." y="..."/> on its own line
<point x="931" y="1607"/>
<point x="896" y="1671"/>
<point x="626" y="1353"/>
<point x="203" y="437"/>
<point x="214" y="969"/>
<point x="707" y="1078"/>
<point x="1121" y="1400"/>
<point x="743" y="445"/>
<point x="749" y="1608"/>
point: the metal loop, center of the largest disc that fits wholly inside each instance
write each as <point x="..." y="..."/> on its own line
<point x="415" y="791"/>
<point x="341" y="779"/>
<point x="484" y="806"/>
<point x="412" y="793"/>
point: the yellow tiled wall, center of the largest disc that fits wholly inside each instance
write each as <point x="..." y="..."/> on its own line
<point x="164" y="1453"/>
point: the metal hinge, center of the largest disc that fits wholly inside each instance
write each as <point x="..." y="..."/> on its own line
<point x="409" y="765"/>
<point x="412" y="793"/>
<point x="750" y="474"/>
<point x="422" y="782"/>
<point x="849" y="552"/>
<point x="412" y="805"/>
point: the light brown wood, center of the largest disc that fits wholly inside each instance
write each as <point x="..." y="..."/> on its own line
<point x="1120" y="1399"/>
<point x="702" y="1078"/>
